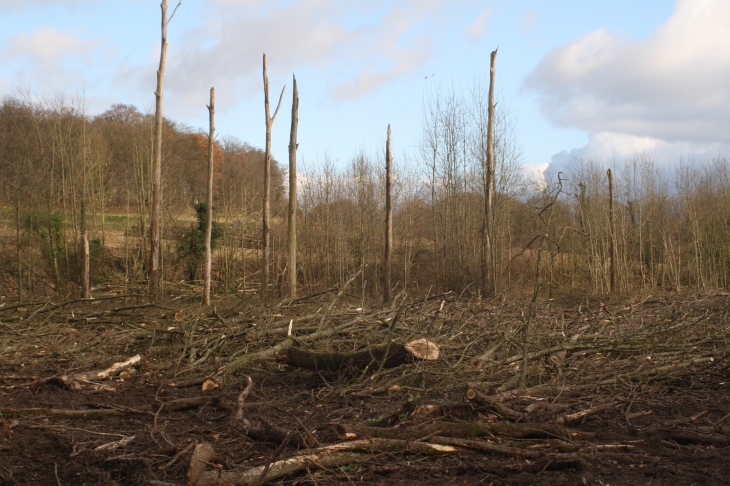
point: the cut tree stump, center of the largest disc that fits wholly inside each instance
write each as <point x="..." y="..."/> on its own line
<point x="393" y="355"/>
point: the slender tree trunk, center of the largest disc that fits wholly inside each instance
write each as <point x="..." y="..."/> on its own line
<point x="488" y="270"/>
<point x="611" y="235"/>
<point x="291" y="234"/>
<point x="266" y="243"/>
<point x="209" y="202"/>
<point x="388" y="217"/>
<point x="85" y="287"/>
<point x="156" y="212"/>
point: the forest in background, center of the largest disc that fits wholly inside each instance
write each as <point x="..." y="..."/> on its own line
<point x="63" y="173"/>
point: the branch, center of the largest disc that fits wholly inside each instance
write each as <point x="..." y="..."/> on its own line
<point x="173" y="12"/>
<point x="278" y="105"/>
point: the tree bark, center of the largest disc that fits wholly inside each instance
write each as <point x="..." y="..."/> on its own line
<point x="388" y="217"/>
<point x="291" y="234"/>
<point x="488" y="270"/>
<point x="209" y="202"/>
<point x="85" y="288"/>
<point x="156" y="210"/>
<point x="394" y="355"/>
<point x="266" y="244"/>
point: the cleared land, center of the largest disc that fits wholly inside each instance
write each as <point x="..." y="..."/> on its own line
<point x="620" y="392"/>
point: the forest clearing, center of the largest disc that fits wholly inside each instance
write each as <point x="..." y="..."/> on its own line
<point x="179" y="308"/>
<point x="616" y="392"/>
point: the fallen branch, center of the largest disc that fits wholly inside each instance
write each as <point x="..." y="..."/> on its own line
<point x="464" y="430"/>
<point x="584" y="414"/>
<point x="325" y="457"/>
<point x="493" y="404"/>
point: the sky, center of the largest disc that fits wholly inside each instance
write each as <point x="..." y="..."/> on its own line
<point x="597" y="79"/>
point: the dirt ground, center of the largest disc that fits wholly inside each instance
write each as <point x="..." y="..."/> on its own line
<point x="621" y="392"/>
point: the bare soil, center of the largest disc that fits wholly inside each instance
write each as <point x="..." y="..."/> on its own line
<point x="652" y="374"/>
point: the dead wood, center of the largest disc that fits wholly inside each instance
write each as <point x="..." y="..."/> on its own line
<point x="202" y="455"/>
<point x="241" y="362"/>
<point x="492" y="403"/>
<point x="75" y="382"/>
<point x="68" y="414"/>
<point x="325" y="457"/>
<point x="391" y="356"/>
<point x="584" y="414"/>
<point x="684" y="436"/>
<point x="463" y="430"/>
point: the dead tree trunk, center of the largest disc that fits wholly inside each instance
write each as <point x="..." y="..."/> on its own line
<point x="488" y="270"/>
<point x="391" y="356"/>
<point x="85" y="288"/>
<point x="266" y="244"/>
<point x="611" y="235"/>
<point x="209" y="202"/>
<point x="291" y="233"/>
<point x="388" y="217"/>
<point x="156" y="211"/>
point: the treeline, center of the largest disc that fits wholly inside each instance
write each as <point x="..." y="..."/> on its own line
<point x="63" y="173"/>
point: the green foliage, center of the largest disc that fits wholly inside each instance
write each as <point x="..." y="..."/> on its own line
<point x="191" y="246"/>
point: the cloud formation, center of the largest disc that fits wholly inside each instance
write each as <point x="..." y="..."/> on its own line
<point x="359" y="47"/>
<point x="48" y="46"/>
<point x="669" y="90"/>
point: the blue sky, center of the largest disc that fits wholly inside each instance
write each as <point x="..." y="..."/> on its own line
<point x="594" y="78"/>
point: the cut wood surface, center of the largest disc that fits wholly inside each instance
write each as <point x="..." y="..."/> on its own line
<point x="391" y="356"/>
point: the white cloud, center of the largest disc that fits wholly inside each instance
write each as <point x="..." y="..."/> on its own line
<point x="670" y="89"/>
<point x="47" y="45"/>
<point x="478" y="28"/>
<point x="606" y="147"/>
<point x="359" y="47"/>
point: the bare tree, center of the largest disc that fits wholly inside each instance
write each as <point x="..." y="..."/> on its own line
<point x="388" y="217"/>
<point x="291" y="234"/>
<point x="266" y="243"/>
<point x="209" y="202"/>
<point x="611" y="235"/>
<point x="85" y="288"/>
<point x="488" y="270"/>
<point x="157" y="168"/>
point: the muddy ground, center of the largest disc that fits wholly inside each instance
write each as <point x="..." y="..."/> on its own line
<point x="620" y="392"/>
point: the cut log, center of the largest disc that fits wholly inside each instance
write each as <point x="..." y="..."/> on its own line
<point x="393" y="355"/>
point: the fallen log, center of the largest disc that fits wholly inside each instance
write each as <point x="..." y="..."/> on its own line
<point x="243" y="361"/>
<point x="461" y="430"/>
<point x="391" y="356"/>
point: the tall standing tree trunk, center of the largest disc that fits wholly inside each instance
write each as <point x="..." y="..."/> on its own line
<point x="388" y="217"/>
<point x="611" y="235"/>
<point x="209" y="202"/>
<point x="291" y="234"/>
<point x="85" y="287"/>
<point x="488" y="270"/>
<point x="156" y="211"/>
<point x="267" y="184"/>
